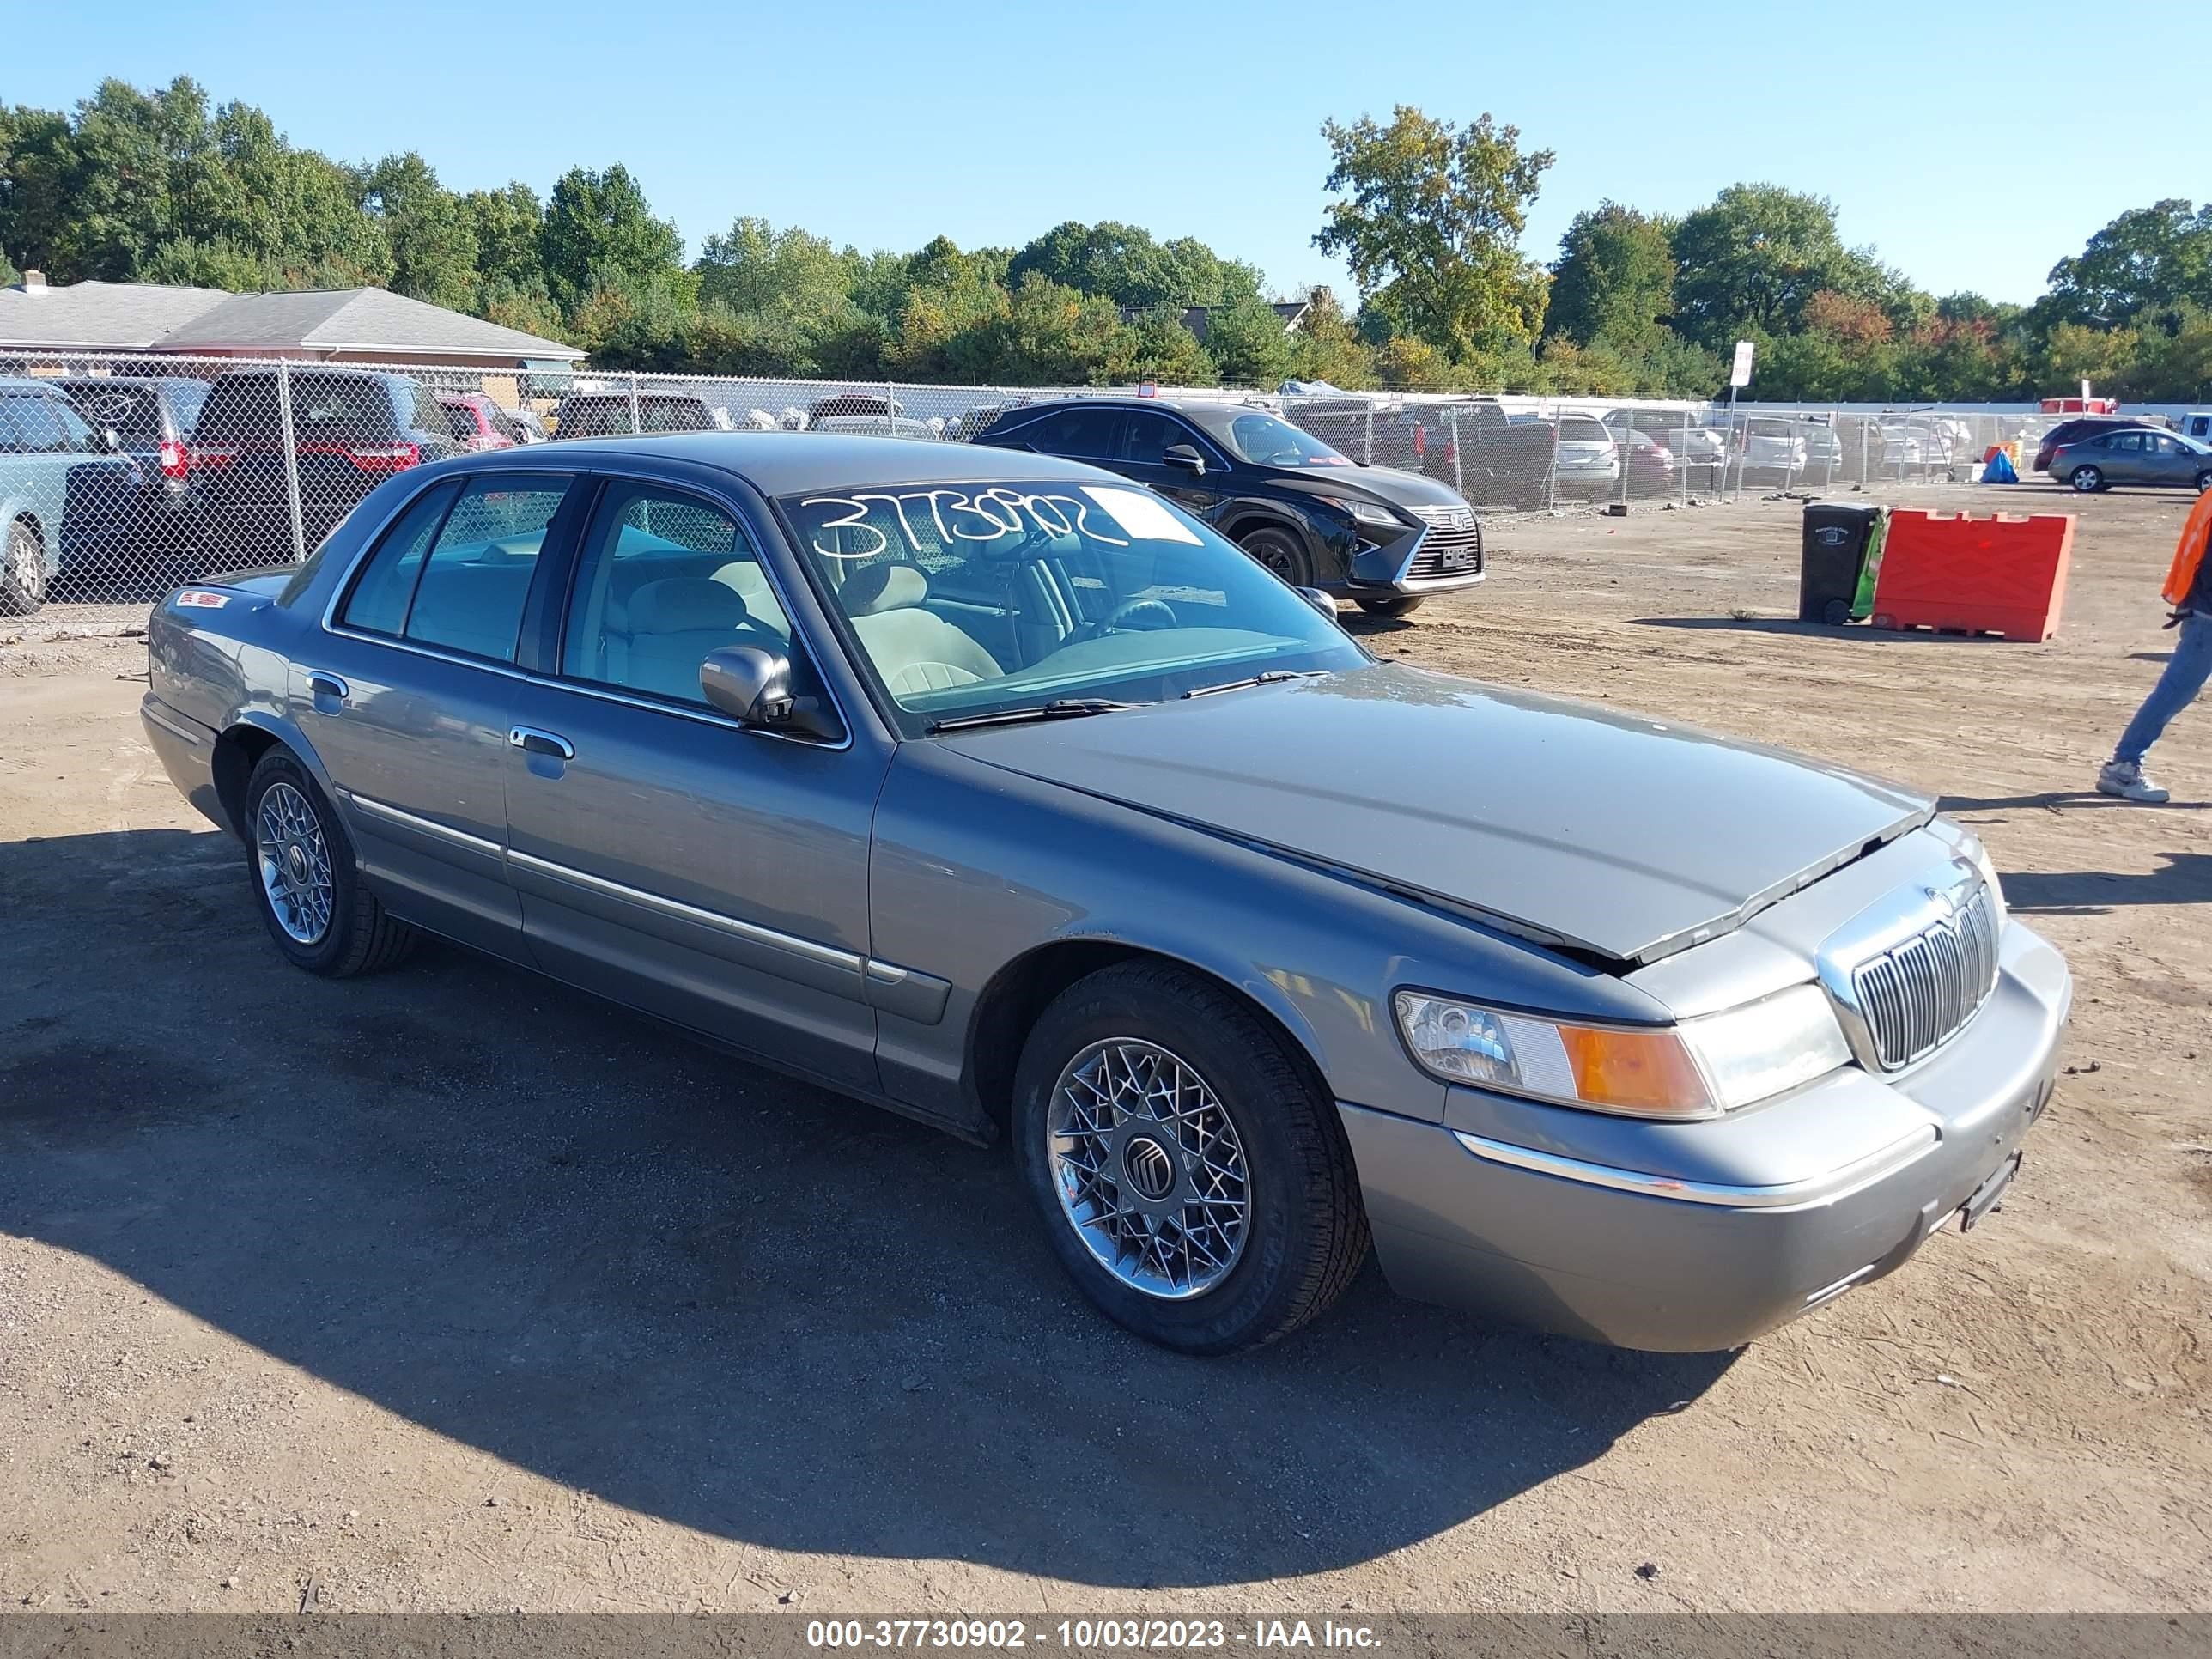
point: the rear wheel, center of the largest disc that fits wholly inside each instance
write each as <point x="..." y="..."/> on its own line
<point x="1191" y="1177"/>
<point x="302" y="869"/>
<point x="2086" y="480"/>
<point x="1404" y="605"/>
<point x="1280" y="552"/>
<point x="2204" y="481"/>
<point x="22" y="570"/>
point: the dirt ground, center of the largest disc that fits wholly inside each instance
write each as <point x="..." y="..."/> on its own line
<point x="451" y="1290"/>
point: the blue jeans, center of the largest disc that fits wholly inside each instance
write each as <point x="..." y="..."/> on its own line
<point x="2186" y="670"/>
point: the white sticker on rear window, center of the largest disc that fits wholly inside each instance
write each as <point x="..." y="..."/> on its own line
<point x="1141" y="515"/>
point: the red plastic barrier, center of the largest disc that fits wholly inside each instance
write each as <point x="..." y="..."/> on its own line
<point x="1963" y="574"/>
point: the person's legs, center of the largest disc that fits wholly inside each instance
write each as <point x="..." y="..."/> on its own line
<point x="2186" y="672"/>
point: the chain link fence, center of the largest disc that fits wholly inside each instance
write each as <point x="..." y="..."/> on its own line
<point x="121" y="476"/>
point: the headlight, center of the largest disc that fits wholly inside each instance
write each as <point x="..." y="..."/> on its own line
<point x="1367" y="512"/>
<point x="1698" y="1068"/>
<point x="1980" y="855"/>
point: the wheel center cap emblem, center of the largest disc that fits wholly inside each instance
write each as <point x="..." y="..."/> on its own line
<point x="295" y="860"/>
<point x="1150" y="1170"/>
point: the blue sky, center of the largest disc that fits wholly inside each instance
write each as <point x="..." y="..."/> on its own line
<point x="1973" y="148"/>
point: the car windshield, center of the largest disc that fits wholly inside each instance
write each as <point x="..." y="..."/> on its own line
<point x="967" y="600"/>
<point x="1265" y="440"/>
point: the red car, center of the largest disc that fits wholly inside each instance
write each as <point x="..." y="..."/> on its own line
<point x="478" y="422"/>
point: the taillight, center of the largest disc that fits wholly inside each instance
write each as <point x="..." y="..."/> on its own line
<point x="176" y="459"/>
<point x="384" y="458"/>
<point x="207" y="457"/>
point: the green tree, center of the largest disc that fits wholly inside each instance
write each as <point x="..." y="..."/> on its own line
<point x="2149" y="258"/>
<point x="1431" y="224"/>
<point x="1248" y="344"/>
<point x="1756" y="256"/>
<point x="1614" y="282"/>
<point x="1327" y="347"/>
<point x="506" y="225"/>
<point x="1125" y="264"/>
<point x="600" y="229"/>
<point x="432" y="235"/>
<point x="1155" y="345"/>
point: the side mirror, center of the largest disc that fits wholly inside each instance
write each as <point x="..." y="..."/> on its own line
<point x="1320" y="601"/>
<point x="751" y="684"/>
<point x="1185" y="456"/>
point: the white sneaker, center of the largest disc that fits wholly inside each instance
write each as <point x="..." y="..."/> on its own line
<point x="2125" y="779"/>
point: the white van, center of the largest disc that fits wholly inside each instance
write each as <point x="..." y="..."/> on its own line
<point x="2197" y="424"/>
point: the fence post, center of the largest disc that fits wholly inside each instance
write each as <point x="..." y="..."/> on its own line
<point x="1459" y="473"/>
<point x="1682" y="457"/>
<point x="1828" y="450"/>
<point x="1369" y="456"/>
<point x="1551" y="476"/>
<point x="635" y="425"/>
<point x="891" y="409"/>
<point x="1627" y="452"/>
<point x="291" y="460"/>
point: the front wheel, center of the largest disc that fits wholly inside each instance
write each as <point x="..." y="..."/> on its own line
<point x="2204" y="482"/>
<point x="2086" y="480"/>
<point x="22" y="570"/>
<point x="301" y="865"/>
<point x="1404" y="605"/>
<point x="1279" y="551"/>
<point x="1193" y="1178"/>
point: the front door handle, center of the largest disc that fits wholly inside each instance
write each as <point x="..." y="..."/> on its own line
<point x="532" y="740"/>
<point x="321" y="684"/>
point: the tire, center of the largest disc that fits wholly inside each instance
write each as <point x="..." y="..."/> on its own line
<point x="2086" y="480"/>
<point x="356" y="934"/>
<point x="1302" y="1232"/>
<point x="2204" y="483"/>
<point x="1280" y="552"/>
<point x="22" y="570"/>
<point x="1404" y="605"/>
<point x="1836" y="612"/>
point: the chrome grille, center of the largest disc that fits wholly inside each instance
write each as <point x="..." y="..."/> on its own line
<point x="1916" y="995"/>
<point x="1452" y="546"/>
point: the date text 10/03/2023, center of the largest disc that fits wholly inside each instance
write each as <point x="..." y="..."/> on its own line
<point x="1080" y="1635"/>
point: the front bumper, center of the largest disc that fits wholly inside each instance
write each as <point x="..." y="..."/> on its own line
<point x="1422" y="561"/>
<point x="1690" y="1237"/>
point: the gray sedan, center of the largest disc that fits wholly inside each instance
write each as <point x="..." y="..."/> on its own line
<point x="995" y="790"/>
<point x="2135" y="456"/>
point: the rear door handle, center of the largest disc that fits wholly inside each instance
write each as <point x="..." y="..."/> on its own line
<point x="320" y="685"/>
<point x="531" y="740"/>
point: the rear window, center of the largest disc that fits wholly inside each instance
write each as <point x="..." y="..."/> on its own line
<point x="326" y="407"/>
<point x="241" y="405"/>
<point x="133" y="411"/>
<point x="1582" y="430"/>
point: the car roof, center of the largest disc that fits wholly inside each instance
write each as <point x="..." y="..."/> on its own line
<point x="1130" y="400"/>
<point x="790" y="463"/>
<point x="24" y="383"/>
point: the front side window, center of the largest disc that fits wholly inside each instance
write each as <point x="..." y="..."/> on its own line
<point x="1265" y="440"/>
<point x="1149" y="437"/>
<point x="966" y="598"/>
<point x="665" y="579"/>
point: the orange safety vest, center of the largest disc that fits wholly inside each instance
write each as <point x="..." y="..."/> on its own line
<point x="2189" y="553"/>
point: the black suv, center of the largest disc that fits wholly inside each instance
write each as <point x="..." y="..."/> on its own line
<point x="351" y="429"/>
<point x="1316" y="518"/>
<point x="152" y="418"/>
<point x="608" y="413"/>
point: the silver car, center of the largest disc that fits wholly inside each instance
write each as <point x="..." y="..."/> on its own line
<point x="995" y="790"/>
<point x="2135" y="456"/>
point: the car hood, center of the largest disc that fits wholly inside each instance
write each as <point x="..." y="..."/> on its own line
<point x="1581" y="827"/>
<point x="1384" y="484"/>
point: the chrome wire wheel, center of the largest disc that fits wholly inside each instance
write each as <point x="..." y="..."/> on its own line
<point x="1149" y="1169"/>
<point x="295" y="865"/>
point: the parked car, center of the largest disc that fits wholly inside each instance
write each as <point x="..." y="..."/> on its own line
<point x="2134" y="456"/>
<point x="1651" y="465"/>
<point x="604" y="413"/>
<point x="1690" y="442"/>
<point x="351" y="429"/>
<point x="1499" y="460"/>
<point x="863" y="413"/>
<point x="152" y="417"/>
<point x="1588" y="460"/>
<point x="986" y="786"/>
<point x="475" y="421"/>
<point x="2086" y="426"/>
<point x="1380" y="537"/>
<point x="1773" y="449"/>
<point x="66" y="493"/>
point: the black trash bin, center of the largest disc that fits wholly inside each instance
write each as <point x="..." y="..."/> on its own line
<point x="1836" y="537"/>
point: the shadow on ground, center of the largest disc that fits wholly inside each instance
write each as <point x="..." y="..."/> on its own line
<point x="1859" y="633"/>
<point x="555" y="1231"/>
<point x="2183" y="878"/>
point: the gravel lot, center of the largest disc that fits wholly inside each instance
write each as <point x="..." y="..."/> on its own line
<point x="451" y="1290"/>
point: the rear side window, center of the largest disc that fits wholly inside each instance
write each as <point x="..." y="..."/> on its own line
<point x="470" y="594"/>
<point x="461" y="422"/>
<point x="378" y="601"/>
<point x="1078" y="431"/>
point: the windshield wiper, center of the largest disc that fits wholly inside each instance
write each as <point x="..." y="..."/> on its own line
<point x="1059" y="708"/>
<point x="1266" y="676"/>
